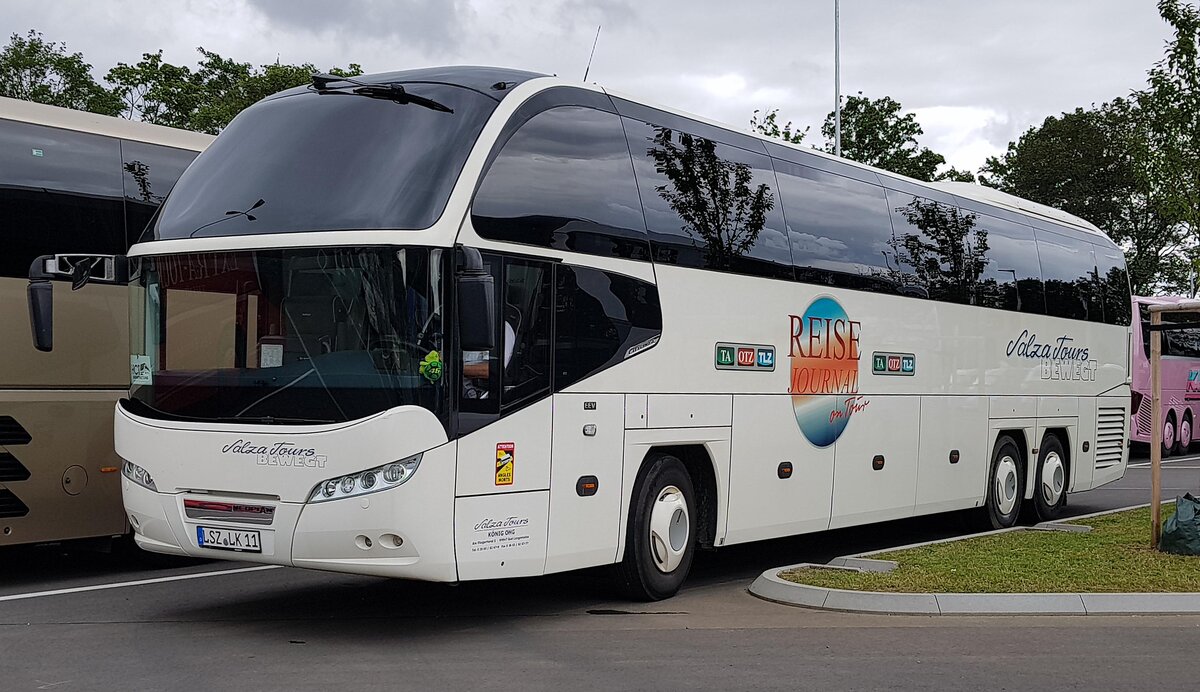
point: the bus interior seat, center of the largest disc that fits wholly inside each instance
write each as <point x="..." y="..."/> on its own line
<point x="317" y="305"/>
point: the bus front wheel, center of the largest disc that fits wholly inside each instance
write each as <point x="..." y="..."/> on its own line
<point x="660" y="542"/>
<point x="1006" y="486"/>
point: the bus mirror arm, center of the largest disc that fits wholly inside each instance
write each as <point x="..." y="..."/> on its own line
<point x="476" y="303"/>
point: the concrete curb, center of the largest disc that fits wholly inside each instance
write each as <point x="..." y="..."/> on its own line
<point x="771" y="587"/>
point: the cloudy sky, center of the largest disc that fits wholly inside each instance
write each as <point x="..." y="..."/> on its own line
<point x="976" y="73"/>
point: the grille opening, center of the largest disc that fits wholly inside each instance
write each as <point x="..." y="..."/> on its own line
<point x="1110" y="436"/>
<point x="11" y="505"/>
<point x="12" y="470"/>
<point x="11" y="432"/>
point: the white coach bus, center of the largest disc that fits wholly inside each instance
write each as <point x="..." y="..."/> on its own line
<point x="468" y="323"/>
<point x="70" y="182"/>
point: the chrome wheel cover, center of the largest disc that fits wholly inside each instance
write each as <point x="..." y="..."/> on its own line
<point x="669" y="529"/>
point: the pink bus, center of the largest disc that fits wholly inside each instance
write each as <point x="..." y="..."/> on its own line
<point x="1180" y="379"/>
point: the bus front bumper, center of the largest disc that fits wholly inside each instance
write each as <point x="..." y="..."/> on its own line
<point x="405" y="532"/>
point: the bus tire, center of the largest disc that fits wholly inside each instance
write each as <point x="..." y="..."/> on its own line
<point x="1006" y="486"/>
<point x="1185" y="433"/>
<point x="1050" y="490"/>
<point x="1169" y="435"/>
<point x="660" y="540"/>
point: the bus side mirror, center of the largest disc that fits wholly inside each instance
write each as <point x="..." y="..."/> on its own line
<point x="476" y="304"/>
<point x="41" y="313"/>
<point x="80" y="270"/>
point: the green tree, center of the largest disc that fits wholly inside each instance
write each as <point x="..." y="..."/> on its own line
<point x="1090" y="163"/>
<point x="770" y="127"/>
<point x="34" y="69"/>
<point x="1169" y="159"/>
<point x="875" y="133"/>
<point x="205" y="99"/>
<point x="156" y="91"/>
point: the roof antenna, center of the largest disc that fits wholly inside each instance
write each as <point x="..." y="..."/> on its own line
<point x="593" y="53"/>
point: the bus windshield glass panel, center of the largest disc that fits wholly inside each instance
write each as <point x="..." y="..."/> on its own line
<point x="327" y="162"/>
<point x="287" y="336"/>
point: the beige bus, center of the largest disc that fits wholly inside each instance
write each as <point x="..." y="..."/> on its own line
<point x="70" y="182"/>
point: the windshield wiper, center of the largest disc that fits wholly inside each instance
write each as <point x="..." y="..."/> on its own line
<point x="389" y="90"/>
<point x="269" y="420"/>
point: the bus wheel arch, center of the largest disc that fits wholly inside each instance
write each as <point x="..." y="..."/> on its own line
<point x="1052" y="475"/>
<point x="1005" y="481"/>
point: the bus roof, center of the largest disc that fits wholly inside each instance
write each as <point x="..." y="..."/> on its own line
<point x="94" y="123"/>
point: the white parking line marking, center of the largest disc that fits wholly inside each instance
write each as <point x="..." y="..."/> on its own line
<point x="1146" y="464"/>
<point x="138" y="582"/>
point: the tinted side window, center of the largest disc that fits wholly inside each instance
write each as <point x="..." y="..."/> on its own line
<point x="150" y="171"/>
<point x="1114" y="284"/>
<point x="60" y="191"/>
<point x="564" y="180"/>
<point x="938" y="247"/>
<point x="838" y="228"/>
<point x="1183" y="343"/>
<point x="601" y="318"/>
<point x="1069" y="275"/>
<point x="708" y="204"/>
<point x="1011" y="277"/>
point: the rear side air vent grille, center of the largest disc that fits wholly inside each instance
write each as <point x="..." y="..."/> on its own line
<point x="12" y="470"/>
<point x="1110" y="436"/>
<point x="11" y="432"/>
<point x="1144" y="424"/>
<point x="11" y="505"/>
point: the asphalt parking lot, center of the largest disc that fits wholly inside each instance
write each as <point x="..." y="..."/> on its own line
<point x="78" y="620"/>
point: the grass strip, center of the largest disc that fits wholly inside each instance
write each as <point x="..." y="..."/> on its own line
<point x="1113" y="558"/>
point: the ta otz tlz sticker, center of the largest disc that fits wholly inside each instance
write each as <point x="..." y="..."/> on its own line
<point x="505" y="458"/>
<point x="731" y="356"/>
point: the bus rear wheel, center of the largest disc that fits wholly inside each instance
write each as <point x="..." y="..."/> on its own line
<point x="660" y="541"/>
<point x="1185" y="434"/>
<point x="1006" y="486"/>
<point x="1050" y="493"/>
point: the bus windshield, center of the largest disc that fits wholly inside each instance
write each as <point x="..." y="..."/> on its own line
<point x="287" y="336"/>
<point x="328" y="161"/>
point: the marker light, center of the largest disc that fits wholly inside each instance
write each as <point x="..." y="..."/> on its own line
<point x="373" y="480"/>
<point x="138" y="475"/>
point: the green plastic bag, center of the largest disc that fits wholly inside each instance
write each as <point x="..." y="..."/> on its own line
<point x="1181" y="533"/>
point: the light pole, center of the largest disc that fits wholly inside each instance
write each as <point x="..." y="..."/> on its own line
<point x="837" y="79"/>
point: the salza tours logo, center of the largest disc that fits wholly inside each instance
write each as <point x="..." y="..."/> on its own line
<point x="285" y="454"/>
<point x="1060" y="359"/>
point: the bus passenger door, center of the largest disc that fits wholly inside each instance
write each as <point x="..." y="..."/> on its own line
<point x="585" y="480"/>
<point x="502" y="486"/>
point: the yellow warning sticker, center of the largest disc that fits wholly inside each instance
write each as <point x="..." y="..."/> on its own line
<point x="506" y="453"/>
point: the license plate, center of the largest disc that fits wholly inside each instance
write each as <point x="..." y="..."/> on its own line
<point x="228" y="539"/>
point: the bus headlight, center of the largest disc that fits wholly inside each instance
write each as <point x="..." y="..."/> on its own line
<point x="374" y="480"/>
<point x="138" y="475"/>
